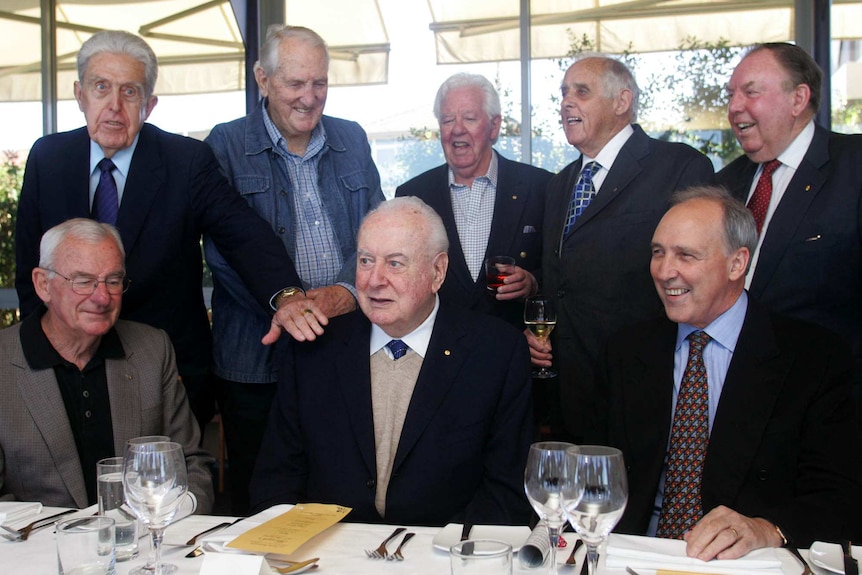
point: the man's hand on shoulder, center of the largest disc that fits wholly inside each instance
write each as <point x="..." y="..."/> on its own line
<point x="299" y="316"/>
<point x="725" y="534"/>
<point x="333" y="300"/>
<point x="520" y="284"/>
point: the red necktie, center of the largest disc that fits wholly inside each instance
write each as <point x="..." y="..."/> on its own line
<point x="759" y="202"/>
<point x="681" y="505"/>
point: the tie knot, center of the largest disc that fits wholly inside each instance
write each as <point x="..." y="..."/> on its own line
<point x="698" y="340"/>
<point x="106" y="165"/>
<point x="398" y="348"/>
<point x="770" y="167"/>
<point x="590" y="169"/>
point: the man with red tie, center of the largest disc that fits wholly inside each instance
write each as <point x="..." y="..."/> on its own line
<point x="804" y="185"/>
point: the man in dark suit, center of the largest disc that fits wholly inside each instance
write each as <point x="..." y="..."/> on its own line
<point x="595" y="262"/>
<point x="410" y="411"/>
<point x="491" y="206"/>
<point x="76" y="384"/>
<point x="808" y="261"/>
<point x="734" y="421"/>
<point x="162" y="191"/>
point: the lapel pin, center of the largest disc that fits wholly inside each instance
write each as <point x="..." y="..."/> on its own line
<point x="514" y="197"/>
<point x="447" y="352"/>
<point x="808" y="188"/>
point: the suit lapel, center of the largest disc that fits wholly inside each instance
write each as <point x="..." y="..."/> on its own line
<point x="754" y="380"/>
<point x="41" y="395"/>
<point x="448" y="349"/>
<point x="791" y="211"/>
<point x="442" y="204"/>
<point x="353" y="373"/>
<point x="147" y="177"/>
<point x="509" y="204"/>
<point x="123" y="392"/>
<point x="76" y="160"/>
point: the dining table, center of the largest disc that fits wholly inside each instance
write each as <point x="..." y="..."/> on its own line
<point x="340" y="548"/>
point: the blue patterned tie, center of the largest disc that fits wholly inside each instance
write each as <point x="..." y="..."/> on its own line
<point x="398" y="348"/>
<point x="583" y="194"/>
<point x="105" y="200"/>
<point x="681" y="504"/>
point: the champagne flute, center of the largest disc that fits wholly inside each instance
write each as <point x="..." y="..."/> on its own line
<point x="150" y="566"/>
<point x="540" y="318"/>
<point x="155" y="481"/>
<point x="548" y="481"/>
<point x="600" y="474"/>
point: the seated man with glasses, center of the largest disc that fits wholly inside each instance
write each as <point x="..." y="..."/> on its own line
<point x="76" y="383"/>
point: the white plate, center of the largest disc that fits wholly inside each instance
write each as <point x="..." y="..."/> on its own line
<point x="514" y="535"/>
<point x="830" y="557"/>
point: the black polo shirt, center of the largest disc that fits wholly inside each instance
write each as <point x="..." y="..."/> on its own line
<point x="85" y="393"/>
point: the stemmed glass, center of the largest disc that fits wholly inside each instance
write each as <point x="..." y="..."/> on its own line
<point x="540" y="317"/>
<point x="155" y="481"/>
<point x="150" y="566"/>
<point x="601" y="476"/>
<point x="548" y="481"/>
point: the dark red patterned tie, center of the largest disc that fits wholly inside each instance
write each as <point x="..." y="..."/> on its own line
<point x="759" y="202"/>
<point x="681" y="505"/>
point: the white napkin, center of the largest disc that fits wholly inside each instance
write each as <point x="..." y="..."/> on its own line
<point x="18" y="511"/>
<point x="653" y="553"/>
<point x="217" y="542"/>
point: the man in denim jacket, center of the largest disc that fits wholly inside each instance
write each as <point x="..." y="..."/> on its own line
<point x="312" y="178"/>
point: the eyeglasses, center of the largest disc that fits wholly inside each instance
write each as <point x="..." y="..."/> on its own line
<point x="83" y="285"/>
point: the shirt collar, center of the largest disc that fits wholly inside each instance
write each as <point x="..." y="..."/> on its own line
<point x="490" y="175"/>
<point x="724" y="329"/>
<point x="122" y="159"/>
<point x="792" y="156"/>
<point x="417" y="339"/>
<point x="608" y="155"/>
<point x="40" y="354"/>
<point x="315" y="144"/>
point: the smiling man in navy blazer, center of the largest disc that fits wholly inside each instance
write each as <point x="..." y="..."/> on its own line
<point x="169" y="191"/>
<point x="491" y="206"/>
<point x="410" y="411"/>
<point x="808" y="262"/>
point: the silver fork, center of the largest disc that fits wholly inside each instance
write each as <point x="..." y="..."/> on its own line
<point x="397" y="556"/>
<point x="380" y="552"/>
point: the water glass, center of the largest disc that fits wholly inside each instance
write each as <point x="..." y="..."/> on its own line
<point x="109" y="479"/>
<point x="481" y="557"/>
<point x="85" y="546"/>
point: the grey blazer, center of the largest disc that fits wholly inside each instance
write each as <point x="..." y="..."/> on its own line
<point x="38" y="457"/>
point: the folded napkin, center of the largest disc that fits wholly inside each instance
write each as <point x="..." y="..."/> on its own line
<point x="653" y="553"/>
<point x="217" y="542"/>
<point x="18" y="511"/>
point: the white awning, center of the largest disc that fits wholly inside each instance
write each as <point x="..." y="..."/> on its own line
<point x="198" y="43"/>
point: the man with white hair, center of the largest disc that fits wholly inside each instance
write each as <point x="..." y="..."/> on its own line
<point x="410" y="411"/>
<point x="76" y="383"/>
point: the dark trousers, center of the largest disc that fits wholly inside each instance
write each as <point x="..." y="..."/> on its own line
<point x="244" y="409"/>
<point x="199" y="390"/>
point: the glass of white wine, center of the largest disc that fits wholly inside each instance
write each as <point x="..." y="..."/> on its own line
<point x="540" y="317"/>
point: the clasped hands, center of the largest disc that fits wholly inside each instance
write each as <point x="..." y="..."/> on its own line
<point x="725" y="534"/>
<point x="304" y="317"/>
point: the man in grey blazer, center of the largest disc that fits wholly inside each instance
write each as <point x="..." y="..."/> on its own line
<point x="76" y="384"/>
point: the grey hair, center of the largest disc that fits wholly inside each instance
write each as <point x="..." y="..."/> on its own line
<point x="740" y="230"/>
<point x="82" y="229"/>
<point x="268" y="61"/>
<point x="616" y="77"/>
<point x="120" y="42"/>
<point x="437" y="241"/>
<point x="490" y="98"/>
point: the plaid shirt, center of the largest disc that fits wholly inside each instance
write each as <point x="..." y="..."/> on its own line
<point x="474" y="210"/>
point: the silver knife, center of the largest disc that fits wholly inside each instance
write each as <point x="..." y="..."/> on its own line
<point x="851" y="567"/>
<point x="467" y="548"/>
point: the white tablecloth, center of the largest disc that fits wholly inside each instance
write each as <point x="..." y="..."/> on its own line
<point x="340" y="548"/>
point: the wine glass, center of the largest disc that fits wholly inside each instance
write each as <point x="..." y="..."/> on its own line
<point x="150" y="566"/>
<point x="600" y="474"/>
<point x="540" y="317"/>
<point x="548" y="481"/>
<point x="155" y="481"/>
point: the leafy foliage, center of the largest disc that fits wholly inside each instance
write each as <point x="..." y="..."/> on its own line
<point x="11" y="178"/>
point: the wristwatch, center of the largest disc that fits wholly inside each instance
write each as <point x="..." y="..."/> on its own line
<point x="284" y="294"/>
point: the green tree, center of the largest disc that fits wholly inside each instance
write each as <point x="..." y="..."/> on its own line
<point x="11" y="177"/>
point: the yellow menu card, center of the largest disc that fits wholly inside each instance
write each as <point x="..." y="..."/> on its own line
<point x="287" y="532"/>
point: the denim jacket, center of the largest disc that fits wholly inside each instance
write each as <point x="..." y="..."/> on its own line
<point x="349" y="187"/>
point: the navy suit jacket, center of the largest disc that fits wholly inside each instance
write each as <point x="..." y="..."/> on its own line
<point x="174" y="192"/>
<point x="516" y="231"/>
<point x="783" y="445"/>
<point x="599" y="274"/>
<point x="810" y="262"/>
<point x="465" y="438"/>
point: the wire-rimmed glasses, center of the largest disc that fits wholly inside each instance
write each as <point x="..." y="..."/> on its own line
<point x="87" y="285"/>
